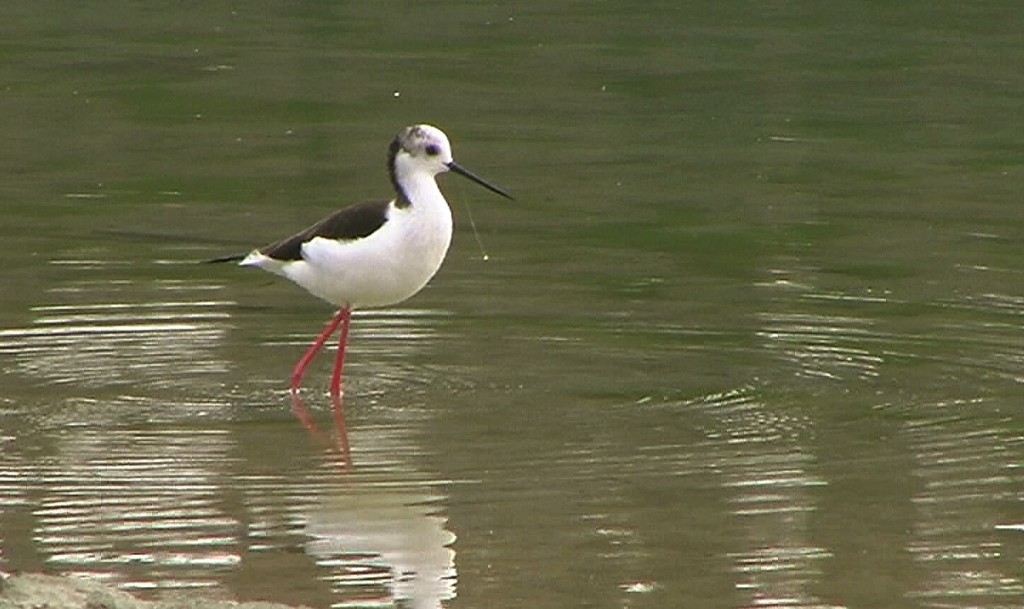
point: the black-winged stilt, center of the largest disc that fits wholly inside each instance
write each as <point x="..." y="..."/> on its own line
<point x="376" y="253"/>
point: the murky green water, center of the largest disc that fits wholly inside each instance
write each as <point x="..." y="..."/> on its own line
<point x="752" y="334"/>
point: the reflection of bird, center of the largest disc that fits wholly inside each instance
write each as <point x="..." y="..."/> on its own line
<point x="381" y="544"/>
<point x="369" y="536"/>
<point x="376" y="253"/>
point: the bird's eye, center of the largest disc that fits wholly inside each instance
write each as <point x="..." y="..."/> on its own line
<point x="433" y="149"/>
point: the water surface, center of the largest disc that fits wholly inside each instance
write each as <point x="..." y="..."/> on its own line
<point x="751" y="334"/>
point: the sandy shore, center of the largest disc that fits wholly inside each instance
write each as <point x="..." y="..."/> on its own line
<point x="34" y="591"/>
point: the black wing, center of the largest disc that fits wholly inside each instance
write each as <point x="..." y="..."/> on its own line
<point x="355" y="222"/>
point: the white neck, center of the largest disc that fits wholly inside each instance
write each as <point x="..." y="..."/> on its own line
<point x="419" y="187"/>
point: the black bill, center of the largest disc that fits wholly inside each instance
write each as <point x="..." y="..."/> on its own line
<point x="462" y="171"/>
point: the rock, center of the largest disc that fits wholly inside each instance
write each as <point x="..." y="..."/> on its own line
<point x="35" y="591"/>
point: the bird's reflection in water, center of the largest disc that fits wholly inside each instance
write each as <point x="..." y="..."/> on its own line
<point x="384" y="545"/>
<point x="380" y="538"/>
<point x="340" y="441"/>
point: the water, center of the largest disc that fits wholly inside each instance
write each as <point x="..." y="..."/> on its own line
<point x="751" y="334"/>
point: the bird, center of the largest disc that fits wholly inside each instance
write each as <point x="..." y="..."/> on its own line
<point x="375" y="253"/>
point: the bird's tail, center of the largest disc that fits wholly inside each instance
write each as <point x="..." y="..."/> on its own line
<point x="231" y="258"/>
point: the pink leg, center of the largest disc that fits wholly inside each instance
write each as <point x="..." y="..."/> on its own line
<point x="318" y="344"/>
<point x="339" y="364"/>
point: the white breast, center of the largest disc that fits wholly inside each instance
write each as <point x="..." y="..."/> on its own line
<point x="381" y="269"/>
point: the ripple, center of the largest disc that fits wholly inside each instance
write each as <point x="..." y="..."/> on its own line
<point x="171" y="507"/>
<point x="109" y="343"/>
<point x="968" y="463"/>
<point x="827" y="346"/>
<point x="856" y="333"/>
<point x="110" y="502"/>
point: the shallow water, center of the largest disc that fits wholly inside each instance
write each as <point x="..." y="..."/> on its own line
<point x="751" y="334"/>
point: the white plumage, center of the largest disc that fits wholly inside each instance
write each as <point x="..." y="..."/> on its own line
<point x="376" y="253"/>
